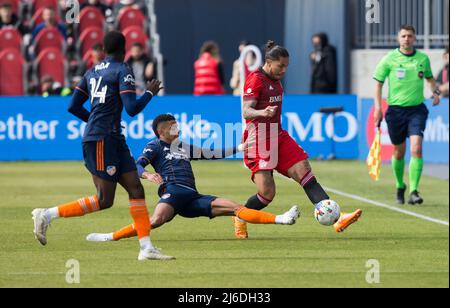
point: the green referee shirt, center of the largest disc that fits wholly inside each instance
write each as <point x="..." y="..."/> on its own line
<point x="406" y="75"/>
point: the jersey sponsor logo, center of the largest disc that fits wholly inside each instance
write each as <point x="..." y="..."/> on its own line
<point x="111" y="170"/>
<point x="102" y="66"/>
<point x="148" y="150"/>
<point x="275" y="99"/>
<point x="129" y="79"/>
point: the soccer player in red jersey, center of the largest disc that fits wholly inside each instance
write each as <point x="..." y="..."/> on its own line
<point x="274" y="148"/>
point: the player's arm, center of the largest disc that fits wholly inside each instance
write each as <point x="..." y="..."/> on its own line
<point x="196" y="153"/>
<point x="144" y="160"/>
<point x="250" y="113"/>
<point x="79" y="97"/>
<point x="127" y="88"/>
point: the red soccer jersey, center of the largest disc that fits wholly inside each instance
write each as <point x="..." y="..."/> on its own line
<point x="267" y="92"/>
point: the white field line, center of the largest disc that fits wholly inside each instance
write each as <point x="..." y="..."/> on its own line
<point x="379" y="204"/>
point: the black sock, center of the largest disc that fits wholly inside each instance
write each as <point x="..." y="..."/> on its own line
<point x="315" y="192"/>
<point x="255" y="203"/>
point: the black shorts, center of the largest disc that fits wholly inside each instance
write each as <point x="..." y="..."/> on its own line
<point x="404" y="122"/>
<point x="187" y="202"/>
<point x="108" y="158"/>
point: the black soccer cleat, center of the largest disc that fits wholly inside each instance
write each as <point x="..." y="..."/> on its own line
<point x="401" y="195"/>
<point x="414" y="198"/>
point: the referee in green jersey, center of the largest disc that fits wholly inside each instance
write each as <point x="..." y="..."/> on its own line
<point x="405" y="68"/>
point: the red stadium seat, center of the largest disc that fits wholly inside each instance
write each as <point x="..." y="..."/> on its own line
<point x="39" y="4"/>
<point x="50" y="62"/>
<point x="10" y="38"/>
<point x="12" y="72"/>
<point x="48" y="37"/>
<point x="130" y="16"/>
<point x="91" y="17"/>
<point x="89" y="38"/>
<point x="135" y="35"/>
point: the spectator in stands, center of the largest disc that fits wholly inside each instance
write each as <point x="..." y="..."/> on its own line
<point x="49" y="17"/>
<point x="9" y="19"/>
<point x="106" y="10"/>
<point x="235" y="81"/>
<point x="442" y="79"/>
<point x="143" y="67"/>
<point x="50" y="88"/>
<point x="209" y="75"/>
<point x="323" y="62"/>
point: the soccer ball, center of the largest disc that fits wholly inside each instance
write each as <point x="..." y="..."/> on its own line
<point x="327" y="212"/>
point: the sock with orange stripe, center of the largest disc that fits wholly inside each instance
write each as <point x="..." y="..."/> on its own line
<point x="77" y="208"/>
<point x="139" y="212"/>
<point x="256" y="217"/>
<point x="125" y="232"/>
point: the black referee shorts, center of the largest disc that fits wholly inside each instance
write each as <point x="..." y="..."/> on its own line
<point x="404" y="122"/>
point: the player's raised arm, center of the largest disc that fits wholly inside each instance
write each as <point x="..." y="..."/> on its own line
<point x="134" y="105"/>
<point x="79" y="97"/>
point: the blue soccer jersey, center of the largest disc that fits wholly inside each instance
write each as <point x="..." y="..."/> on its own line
<point x="109" y="86"/>
<point x="173" y="162"/>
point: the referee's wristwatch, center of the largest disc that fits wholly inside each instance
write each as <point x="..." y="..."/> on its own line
<point x="437" y="92"/>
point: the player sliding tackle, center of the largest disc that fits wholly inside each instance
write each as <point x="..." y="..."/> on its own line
<point x="275" y="149"/>
<point x="171" y="160"/>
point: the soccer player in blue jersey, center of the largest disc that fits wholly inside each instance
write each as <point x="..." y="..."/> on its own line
<point x="171" y="160"/>
<point x="109" y="87"/>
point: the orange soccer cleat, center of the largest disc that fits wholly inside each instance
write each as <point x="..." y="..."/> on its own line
<point x="346" y="220"/>
<point x="240" y="228"/>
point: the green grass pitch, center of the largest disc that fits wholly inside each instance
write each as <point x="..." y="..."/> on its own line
<point x="411" y="252"/>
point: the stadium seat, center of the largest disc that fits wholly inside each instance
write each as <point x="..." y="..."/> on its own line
<point x="50" y="62"/>
<point x="10" y="38"/>
<point x="40" y="4"/>
<point x="130" y="16"/>
<point x="89" y="38"/>
<point x="12" y="72"/>
<point x="48" y="37"/>
<point x="91" y="17"/>
<point x="133" y="35"/>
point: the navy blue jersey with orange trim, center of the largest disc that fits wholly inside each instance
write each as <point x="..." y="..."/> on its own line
<point x="108" y="86"/>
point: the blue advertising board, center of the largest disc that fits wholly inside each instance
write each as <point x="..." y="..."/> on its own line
<point x="435" y="145"/>
<point x="34" y="128"/>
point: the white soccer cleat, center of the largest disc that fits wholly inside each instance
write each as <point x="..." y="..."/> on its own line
<point x="153" y="254"/>
<point x="99" y="237"/>
<point x="291" y="216"/>
<point x="41" y="224"/>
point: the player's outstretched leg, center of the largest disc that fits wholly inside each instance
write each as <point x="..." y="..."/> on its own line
<point x="302" y="173"/>
<point x="163" y="213"/>
<point x="103" y="200"/>
<point x="138" y="210"/>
